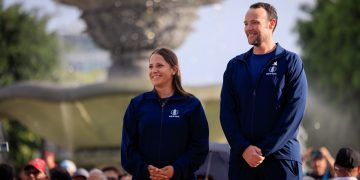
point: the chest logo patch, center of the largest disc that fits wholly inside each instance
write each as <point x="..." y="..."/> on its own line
<point x="272" y="69"/>
<point x="174" y="113"/>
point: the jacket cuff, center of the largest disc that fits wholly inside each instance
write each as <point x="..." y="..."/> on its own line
<point x="177" y="173"/>
<point x="238" y="151"/>
<point x="145" y="172"/>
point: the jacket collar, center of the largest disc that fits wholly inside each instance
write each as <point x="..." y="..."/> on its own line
<point x="278" y="52"/>
<point x="153" y="95"/>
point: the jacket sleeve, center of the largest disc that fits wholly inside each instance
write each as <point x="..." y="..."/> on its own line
<point x="130" y="157"/>
<point x="198" y="147"/>
<point x="228" y="116"/>
<point x="293" y="110"/>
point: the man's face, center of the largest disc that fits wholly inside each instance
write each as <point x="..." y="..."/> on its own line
<point x="258" y="28"/>
<point x="33" y="174"/>
<point x="111" y="175"/>
<point x="319" y="166"/>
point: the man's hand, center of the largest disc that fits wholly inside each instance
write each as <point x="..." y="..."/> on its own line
<point x="325" y="152"/>
<point x="253" y="156"/>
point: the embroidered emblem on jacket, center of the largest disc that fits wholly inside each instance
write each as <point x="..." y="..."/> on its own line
<point x="272" y="69"/>
<point x="174" y="113"/>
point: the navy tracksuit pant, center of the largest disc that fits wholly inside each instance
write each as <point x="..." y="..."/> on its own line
<point x="270" y="169"/>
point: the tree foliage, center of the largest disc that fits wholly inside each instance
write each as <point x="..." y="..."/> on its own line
<point x="27" y="52"/>
<point x="329" y="38"/>
<point x="330" y="41"/>
<point x="24" y="144"/>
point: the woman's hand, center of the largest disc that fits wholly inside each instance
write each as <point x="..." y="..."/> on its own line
<point x="168" y="171"/>
<point x="160" y="174"/>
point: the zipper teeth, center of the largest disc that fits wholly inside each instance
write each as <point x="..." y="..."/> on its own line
<point x="253" y="98"/>
<point x="161" y="120"/>
<point x="254" y="90"/>
<point x="161" y="126"/>
<point x="253" y="113"/>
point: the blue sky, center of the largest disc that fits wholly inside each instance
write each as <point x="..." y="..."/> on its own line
<point x="217" y="34"/>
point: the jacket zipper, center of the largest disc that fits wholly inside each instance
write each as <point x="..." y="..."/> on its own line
<point x="254" y="88"/>
<point x="252" y="98"/>
<point x="161" y="127"/>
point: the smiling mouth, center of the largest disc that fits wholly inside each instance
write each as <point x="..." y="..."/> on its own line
<point x="251" y="35"/>
<point x="155" y="76"/>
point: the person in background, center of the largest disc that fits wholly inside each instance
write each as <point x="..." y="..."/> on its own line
<point x="262" y="103"/>
<point x="80" y="174"/>
<point x="165" y="131"/>
<point x="58" y="173"/>
<point x="322" y="164"/>
<point x="50" y="158"/>
<point x="7" y="172"/>
<point x="96" y="174"/>
<point x="21" y="174"/>
<point x="347" y="164"/>
<point x="36" y="170"/>
<point x="111" y="172"/>
<point x="69" y="166"/>
<point x="126" y="176"/>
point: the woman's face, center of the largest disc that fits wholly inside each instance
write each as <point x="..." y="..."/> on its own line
<point x="160" y="72"/>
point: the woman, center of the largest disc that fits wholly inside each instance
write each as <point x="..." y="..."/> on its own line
<point x="165" y="131"/>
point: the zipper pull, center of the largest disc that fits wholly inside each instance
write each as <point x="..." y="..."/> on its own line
<point x="163" y="102"/>
<point x="254" y="92"/>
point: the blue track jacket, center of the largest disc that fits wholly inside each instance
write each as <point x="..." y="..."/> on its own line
<point x="174" y="134"/>
<point x="267" y="114"/>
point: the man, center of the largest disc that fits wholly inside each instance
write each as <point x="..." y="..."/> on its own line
<point x="111" y="172"/>
<point x="50" y="158"/>
<point x="36" y="170"/>
<point x="96" y="174"/>
<point x="80" y="174"/>
<point x="263" y="100"/>
<point x="322" y="164"/>
<point x="347" y="164"/>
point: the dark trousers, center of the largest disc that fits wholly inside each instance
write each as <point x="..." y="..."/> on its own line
<point x="270" y="169"/>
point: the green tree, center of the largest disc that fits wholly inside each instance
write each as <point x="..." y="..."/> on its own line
<point x="330" y="40"/>
<point x="27" y="52"/>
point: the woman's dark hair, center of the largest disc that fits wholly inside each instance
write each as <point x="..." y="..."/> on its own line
<point x="171" y="58"/>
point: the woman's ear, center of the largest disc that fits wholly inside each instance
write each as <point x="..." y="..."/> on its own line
<point x="175" y="70"/>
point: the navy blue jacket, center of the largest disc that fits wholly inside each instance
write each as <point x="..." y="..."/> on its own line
<point x="267" y="114"/>
<point x="175" y="134"/>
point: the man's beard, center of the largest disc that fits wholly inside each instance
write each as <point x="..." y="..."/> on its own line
<point x="256" y="42"/>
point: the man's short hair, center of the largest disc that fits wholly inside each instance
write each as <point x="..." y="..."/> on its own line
<point x="316" y="154"/>
<point x="270" y="10"/>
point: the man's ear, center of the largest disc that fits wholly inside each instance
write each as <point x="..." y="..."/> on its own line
<point x="272" y="24"/>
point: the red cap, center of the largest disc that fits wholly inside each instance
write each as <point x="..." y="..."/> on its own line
<point x="37" y="163"/>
